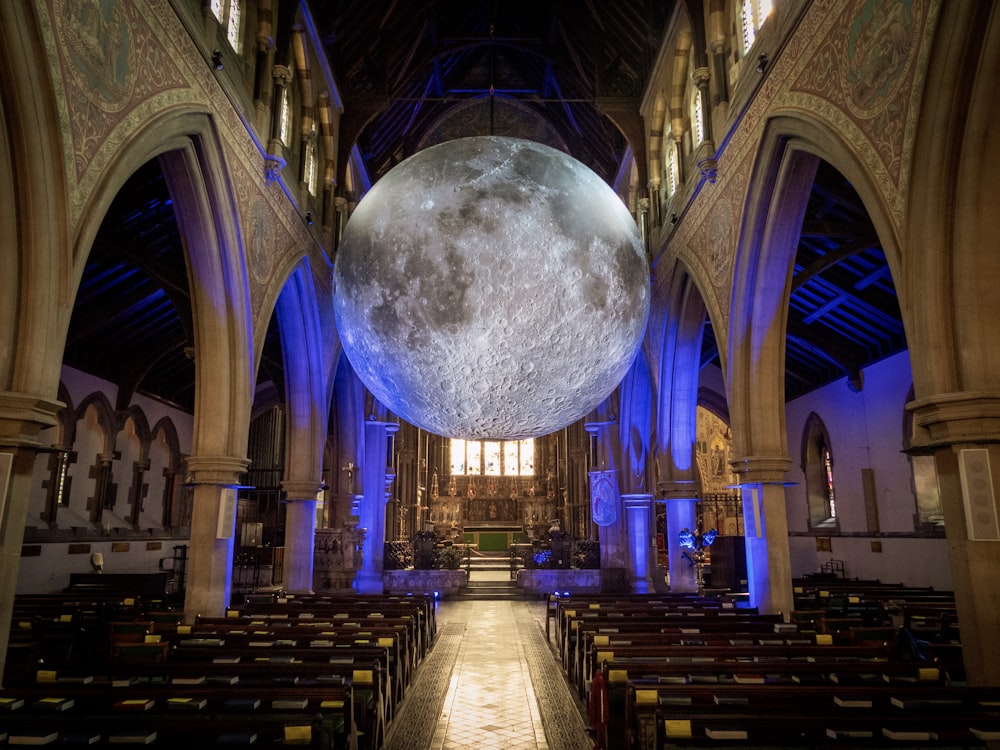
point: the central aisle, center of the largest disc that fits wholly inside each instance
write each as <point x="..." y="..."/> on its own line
<point x="490" y="682"/>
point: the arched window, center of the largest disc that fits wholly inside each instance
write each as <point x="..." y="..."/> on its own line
<point x="509" y="458"/>
<point x="817" y="465"/>
<point x="285" y="116"/>
<point x="311" y="167"/>
<point x="229" y="13"/>
<point x="670" y="165"/>
<point x="697" y="119"/>
<point x="753" y="15"/>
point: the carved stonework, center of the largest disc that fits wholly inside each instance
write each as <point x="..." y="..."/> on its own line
<point x="337" y="557"/>
<point x="272" y="168"/>
<point x="546" y="581"/>
<point x="405" y="581"/>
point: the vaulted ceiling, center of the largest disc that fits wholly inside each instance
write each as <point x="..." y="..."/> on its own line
<point x="419" y="71"/>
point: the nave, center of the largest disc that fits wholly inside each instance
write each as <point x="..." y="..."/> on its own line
<point x="491" y="681"/>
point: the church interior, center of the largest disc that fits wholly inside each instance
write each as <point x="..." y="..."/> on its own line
<point x="210" y="500"/>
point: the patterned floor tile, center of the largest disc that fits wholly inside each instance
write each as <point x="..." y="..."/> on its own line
<point x="491" y="680"/>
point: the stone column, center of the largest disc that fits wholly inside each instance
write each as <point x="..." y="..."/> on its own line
<point x="300" y="534"/>
<point x="376" y="477"/>
<point x="21" y="418"/>
<point x="769" y="570"/>
<point x="637" y="510"/>
<point x="682" y="513"/>
<point x="960" y="431"/>
<point x="213" y="531"/>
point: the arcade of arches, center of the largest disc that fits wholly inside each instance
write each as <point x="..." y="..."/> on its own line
<point x="171" y="376"/>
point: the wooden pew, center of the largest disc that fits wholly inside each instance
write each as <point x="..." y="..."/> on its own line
<point x="186" y="716"/>
<point x="817" y="715"/>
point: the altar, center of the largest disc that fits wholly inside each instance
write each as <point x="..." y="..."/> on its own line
<point x="494" y="538"/>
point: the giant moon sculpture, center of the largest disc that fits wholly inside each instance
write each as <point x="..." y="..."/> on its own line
<point x="491" y="287"/>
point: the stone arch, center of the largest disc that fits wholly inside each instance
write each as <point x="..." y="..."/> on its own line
<point x="164" y="482"/>
<point x="105" y="414"/>
<point x="636" y="398"/>
<point x="192" y="158"/>
<point x="34" y="215"/>
<point x="306" y="394"/>
<point x="679" y="359"/>
<point x="952" y="262"/>
<point x="780" y="184"/>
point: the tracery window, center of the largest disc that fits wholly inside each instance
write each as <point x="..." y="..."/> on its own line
<point x="509" y="458"/>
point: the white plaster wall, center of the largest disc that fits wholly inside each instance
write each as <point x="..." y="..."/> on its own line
<point x="49" y="573"/>
<point x="911" y="562"/>
<point x="866" y="431"/>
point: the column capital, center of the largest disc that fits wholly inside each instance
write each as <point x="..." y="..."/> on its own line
<point x="301" y="489"/>
<point x="677" y="489"/>
<point x="962" y="417"/>
<point x="23" y="415"/>
<point x="282" y="74"/>
<point x="765" y="469"/>
<point x="219" y="470"/>
<point x="634" y="500"/>
<point x="701" y="76"/>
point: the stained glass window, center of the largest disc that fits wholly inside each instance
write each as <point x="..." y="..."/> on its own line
<point x="511" y="466"/>
<point x="493" y="457"/>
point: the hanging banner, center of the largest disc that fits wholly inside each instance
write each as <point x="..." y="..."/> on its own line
<point x="604" y="497"/>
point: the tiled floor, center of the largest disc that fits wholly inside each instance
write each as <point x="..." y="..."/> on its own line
<point x="491" y="681"/>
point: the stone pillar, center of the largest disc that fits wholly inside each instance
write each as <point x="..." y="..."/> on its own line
<point x="376" y="476"/>
<point x="300" y="534"/>
<point x="213" y="530"/>
<point x="21" y="418"/>
<point x="637" y="510"/>
<point x="682" y="513"/>
<point x="769" y="570"/>
<point x="960" y="431"/>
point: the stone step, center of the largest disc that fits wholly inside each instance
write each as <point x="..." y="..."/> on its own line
<point x="489" y="590"/>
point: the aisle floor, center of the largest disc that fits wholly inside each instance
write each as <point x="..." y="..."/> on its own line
<point x="490" y="682"/>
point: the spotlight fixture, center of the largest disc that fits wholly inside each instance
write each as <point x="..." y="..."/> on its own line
<point x="673" y="218"/>
<point x="217" y="59"/>
<point x="762" y="63"/>
<point x="309" y="217"/>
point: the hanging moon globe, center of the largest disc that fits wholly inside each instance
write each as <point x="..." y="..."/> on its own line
<point x="491" y="287"/>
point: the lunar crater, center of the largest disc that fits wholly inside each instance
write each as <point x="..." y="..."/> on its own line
<point x="510" y="308"/>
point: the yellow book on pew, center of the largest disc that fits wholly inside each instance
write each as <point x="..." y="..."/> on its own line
<point x="386" y="642"/>
<point x="363" y="677"/>
<point x="298" y="734"/>
<point x="603" y="656"/>
<point x="824" y="639"/>
<point x="617" y="675"/>
<point x="45" y="675"/>
<point x="646" y="697"/>
<point x="602" y="640"/>
<point x="331" y="704"/>
<point x="677" y="727"/>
